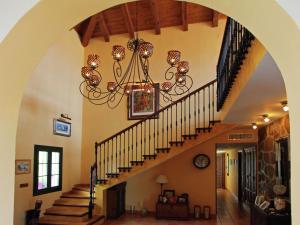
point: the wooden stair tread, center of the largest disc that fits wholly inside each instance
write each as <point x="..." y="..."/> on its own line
<point x="82" y="187"/>
<point x="45" y="220"/>
<point x="72" y="202"/>
<point x="82" y="195"/>
<point x="67" y="211"/>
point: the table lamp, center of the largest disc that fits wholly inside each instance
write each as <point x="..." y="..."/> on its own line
<point x="161" y="179"/>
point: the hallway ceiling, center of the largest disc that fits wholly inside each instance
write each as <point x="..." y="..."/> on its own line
<point x="262" y="95"/>
<point x="152" y="15"/>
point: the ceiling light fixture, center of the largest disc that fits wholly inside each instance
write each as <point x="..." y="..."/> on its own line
<point x="254" y="126"/>
<point x="285" y="106"/>
<point x="136" y="76"/>
<point x="266" y="118"/>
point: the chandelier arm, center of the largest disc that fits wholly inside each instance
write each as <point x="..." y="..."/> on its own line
<point x="182" y="88"/>
<point x="170" y="74"/>
<point x="117" y="104"/>
<point x="99" y="75"/>
<point x="138" y="68"/>
<point x="166" y="98"/>
<point x="145" y="67"/>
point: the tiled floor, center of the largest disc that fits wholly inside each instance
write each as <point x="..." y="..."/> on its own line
<point x="229" y="213"/>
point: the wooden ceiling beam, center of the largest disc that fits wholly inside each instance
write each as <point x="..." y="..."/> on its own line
<point x="154" y="9"/>
<point x="215" y="18"/>
<point x="103" y="27"/>
<point x="89" y="31"/>
<point x="128" y="20"/>
<point x="184" y="14"/>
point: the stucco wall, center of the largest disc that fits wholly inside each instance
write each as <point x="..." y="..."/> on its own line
<point x="51" y="90"/>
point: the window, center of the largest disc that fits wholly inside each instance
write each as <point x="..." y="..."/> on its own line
<point x="47" y="176"/>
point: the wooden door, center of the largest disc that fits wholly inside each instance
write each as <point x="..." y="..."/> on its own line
<point x="221" y="170"/>
<point x="248" y="174"/>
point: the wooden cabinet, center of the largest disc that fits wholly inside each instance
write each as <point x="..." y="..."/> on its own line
<point x="116" y="201"/>
<point x="172" y="211"/>
<point x="260" y="217"/>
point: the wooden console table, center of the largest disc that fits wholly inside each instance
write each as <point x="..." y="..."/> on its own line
<point x="172" y="211"/>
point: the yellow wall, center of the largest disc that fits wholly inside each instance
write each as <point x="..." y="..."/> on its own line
<point x="51" y="90"/>
<point x="231" y="181"/>
<point x="142" y="191"/>
<point x="31" y="40"/>
<point x="200" y="47"/>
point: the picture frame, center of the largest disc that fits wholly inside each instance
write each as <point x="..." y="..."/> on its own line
<point x="23" y="166"/>
<point x="140" y="104"/>
<point x="61" y="127"/>
<point x="169" y="193"/>
<point x="259" y="200"/>
<point x="264" y="205"/>
<point x="181" y="199"/>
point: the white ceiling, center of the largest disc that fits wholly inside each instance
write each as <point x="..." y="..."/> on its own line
<point x="262" y="95"/>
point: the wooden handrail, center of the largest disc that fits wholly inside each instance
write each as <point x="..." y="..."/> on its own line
<point x="156" y="113"/>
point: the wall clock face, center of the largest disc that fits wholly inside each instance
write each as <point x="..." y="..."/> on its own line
<point x="201" y="161"/>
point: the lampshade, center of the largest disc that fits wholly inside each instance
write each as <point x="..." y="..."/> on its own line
<point x="162" y="179"/>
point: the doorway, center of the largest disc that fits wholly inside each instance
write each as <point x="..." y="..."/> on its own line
<point x="235" y="182"/>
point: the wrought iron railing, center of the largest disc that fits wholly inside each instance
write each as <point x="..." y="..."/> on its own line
<point x="171" y="125"/>
<point x="93" y="181"/>
<point x="236" y="42"/>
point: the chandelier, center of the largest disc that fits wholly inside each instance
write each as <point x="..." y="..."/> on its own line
<point x="136" y="75"/>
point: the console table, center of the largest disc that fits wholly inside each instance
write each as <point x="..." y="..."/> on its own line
<point x="172" y="211"/>
<point x="260" y="217"/>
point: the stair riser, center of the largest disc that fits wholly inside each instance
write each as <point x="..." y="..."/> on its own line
<point x="67" y="218"/>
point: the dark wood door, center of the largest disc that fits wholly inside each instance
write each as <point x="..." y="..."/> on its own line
<point x="248" y="174"/>
<point x="221" y="170"/>
<point x="116" y="201"/>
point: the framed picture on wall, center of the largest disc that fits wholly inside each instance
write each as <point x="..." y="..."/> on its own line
<point x="23" y="166"/>
<point x="142" y="103"/>
<point x="61" y="127"/>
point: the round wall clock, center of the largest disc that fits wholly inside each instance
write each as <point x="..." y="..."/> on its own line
<point x="201" y="161"/>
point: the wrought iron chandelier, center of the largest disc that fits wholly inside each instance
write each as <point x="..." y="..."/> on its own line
<point x="135" y="77"/>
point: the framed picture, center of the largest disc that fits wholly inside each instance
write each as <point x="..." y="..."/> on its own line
<point x="61" y="127"/>
<point x="142" y="104"/>
<point x="181" y="199"/>
<point x="23" y="166"/>
<point x="259" y="199"/>
<point x="264" y="205"/>
<point x="169" y="193"/>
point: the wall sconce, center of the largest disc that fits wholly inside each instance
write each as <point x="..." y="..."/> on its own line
<point x="285" y="106"/>
<point x="266" y="118"/>
<point x="254" y="126"/>
<point x="65" y="116"/>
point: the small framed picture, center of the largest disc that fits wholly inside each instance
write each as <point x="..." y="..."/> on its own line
<point x="23" y="166"/>
<point x="264" y="205"/>
<point x="181" y="199"/>
<point x="169" y="193"/>
<point x="259" y="199"/>
<point x="61" y="127"/>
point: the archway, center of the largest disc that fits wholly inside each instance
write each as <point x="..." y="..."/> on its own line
<point x="24" y="46"/>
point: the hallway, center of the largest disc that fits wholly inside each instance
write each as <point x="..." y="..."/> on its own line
<point x="229" y="213"/>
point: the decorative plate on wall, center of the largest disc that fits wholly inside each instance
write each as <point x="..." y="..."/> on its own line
<point x="201" y="161"/>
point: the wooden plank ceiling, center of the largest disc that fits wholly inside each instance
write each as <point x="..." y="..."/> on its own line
<point x="144" y="15"/>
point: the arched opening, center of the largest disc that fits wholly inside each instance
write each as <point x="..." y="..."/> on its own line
<point x="283" y="47"/>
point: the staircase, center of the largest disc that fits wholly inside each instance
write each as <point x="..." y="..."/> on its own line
<point x="72" y="209"/>
<point x="188" y="121"/>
